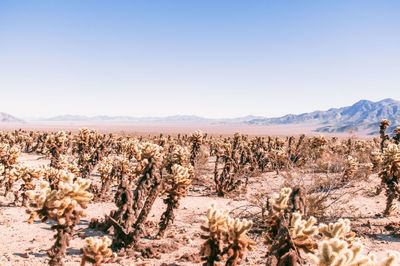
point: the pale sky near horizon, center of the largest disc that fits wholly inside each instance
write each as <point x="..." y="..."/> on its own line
<point x="225" y="58"/>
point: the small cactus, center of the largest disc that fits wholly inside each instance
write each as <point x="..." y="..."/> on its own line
<point x="339" y="230"/>
<point x="279" y="201"/>
<point x="96" y="250"/>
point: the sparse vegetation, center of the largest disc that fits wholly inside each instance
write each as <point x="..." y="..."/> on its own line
<point x="149" y="177"/>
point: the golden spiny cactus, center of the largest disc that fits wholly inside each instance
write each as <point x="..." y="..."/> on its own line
<point x="8" y="161"/>
<point x="217" y="233"/>
<point x="27" y="175"/>
<point x="225" y="237"/>
<point x="396" y="137"/>
<point x="390" y="176"/>
<point x="177" y="184"/>
<point x="318" y="145"/>
<point x="382" y="131"/>
<point x="178" y="181"/>
<point x="276" y="205"/>
<point x="113" y="169"/>
<point x="147" y="150"/>
<point x="91" y="147"/>
<point x="56" y="145"/>
<point x="96" y="250"/>
<point x="279" y="201"/>
<point x="336" y="252"/>
<point x="238" y="242"/>
<point x="68" y="164"/>
<point x="177" y="155"/>
<point x="278" y="158"/>
<point x="60" y="205"/>
<point x="350" y="169"/>
<point x="105" y="167"/>
<point x="134" y="207"/>
<point x="53" y="204"/>
<point x="8" y="155"/>
<point x="105" y="170"/>
<point x="339" y="230"/>
<point x="196" y="139"/>
<point x="301" y="232"/>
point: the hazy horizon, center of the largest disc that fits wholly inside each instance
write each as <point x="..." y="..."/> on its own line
<point x="214" y="59"/>
<point x="32" y="118"/>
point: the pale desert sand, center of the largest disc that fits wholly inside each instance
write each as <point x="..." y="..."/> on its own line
<point x="26" y="244"/>
<point x="143" y="129"/>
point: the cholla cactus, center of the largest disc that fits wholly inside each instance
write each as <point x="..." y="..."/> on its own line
<point x="286" y="233"/>
<point x="238" y="243"/>
<point x="318" y="145"/>
<point x="27" y="175"/>
<point x="146" y="151"/>
<point x="91" y="147"/>
<point x="335" y="252"/>
<point x="279" y="201"/>
<point x="382" y="131"/>
<point x="217" y="233"/>
<point x="396" y="137"/>
<point x="365" y="169"/>
<point x="96" y="250"/>
<point x="68" y="164"/>
<point x="196" y="140"/>
<point x="390" y="176"/>
<point x="177" y="184"/>
<point x="278" y="158"/>
<point x="8" y="155"/>
<point x="351" y="166"/>
<point x="53" y="203"/>
<point x="177" y="155"/>
<point x="301" y="232"/>
<point x="225" y="236"/>
<point x="60" y="205"/>
<point x="339" y="230"/>
<point x="112" y="170"/>
<point x="376" y="157"/>
<point x="105" y="167"/>
<point x="8" y="161"/>
<point x="134" y="207"/>
<point x="56" y="145"/>
<point x="105" y="170"/>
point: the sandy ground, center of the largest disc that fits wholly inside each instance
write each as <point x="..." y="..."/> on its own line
<point x="26" y="244"/>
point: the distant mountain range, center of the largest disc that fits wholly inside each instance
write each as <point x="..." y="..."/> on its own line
<point x="362" y="116"/>
<point x="6" y="118"/>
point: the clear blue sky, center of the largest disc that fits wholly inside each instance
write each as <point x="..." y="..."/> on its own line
<point x="211" y="58"/>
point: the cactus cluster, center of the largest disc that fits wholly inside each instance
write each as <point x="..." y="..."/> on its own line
<point x="143" y="168"/>
<point x="134" y="207"/>
<point x="336" y="252"/>
<point x="225" y="237"/>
